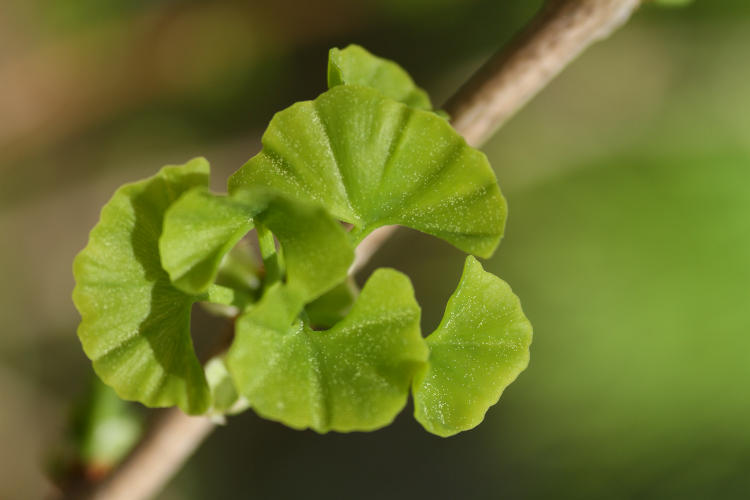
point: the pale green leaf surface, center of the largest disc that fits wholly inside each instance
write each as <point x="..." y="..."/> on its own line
<point x="372" y="161"/>
<point x="480" y="347"/>
<point x="333" y="306"/>
<point x="223" y="393"/>
<point x="222" y="296"/>
<point x="199" y="231"/>
<point x="201" y="228"/>
<point x="135" y="326"/>
<point x="354" y="65"/>
<point x="240" y="269"/>
<point x="317" y="250"/>
<point x="353" y="377"/>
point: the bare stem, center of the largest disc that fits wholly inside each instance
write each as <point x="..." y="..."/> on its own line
<point x="511" y="77"/>
<point x="514" y="75"/>
<point x="495" y="92"/>
<point x="172" y="439"/>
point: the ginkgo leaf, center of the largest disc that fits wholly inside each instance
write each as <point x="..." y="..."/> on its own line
<point x="238" y="278"/>
<point x="356" y="66"/>
<point x="355" y="376"/>
<point x="199" y="231"/>
<point x="480" y="347"/>
<point x="317" y="250"/>
<point x="200" y="228"/>
<point x="225" y="400"/>
<point x="240" y="269"/>
<point x="372" y="161"/>
<point x="333" y="306"/>
<point x="135" y="326"/>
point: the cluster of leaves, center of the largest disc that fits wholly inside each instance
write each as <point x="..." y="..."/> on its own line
<point x="309" y="350"/>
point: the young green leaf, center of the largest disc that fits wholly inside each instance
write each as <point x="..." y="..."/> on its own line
<point x="355" y="376"/>
<point x="240" y="269"/>
<point x="372" y="161"/>
<point x="225" y="400"/>
<point x="317" y="250"/>
<point x="200" y="228"/>
<point x="480" y="347"/>
<point x="135" y="326"/>
<point x="237" y="282"/>
<point x="356" y="66"/>
<point x="333" y="306"/>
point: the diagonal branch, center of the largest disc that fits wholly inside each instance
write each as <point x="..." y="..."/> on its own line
<point x="562" y="30"/>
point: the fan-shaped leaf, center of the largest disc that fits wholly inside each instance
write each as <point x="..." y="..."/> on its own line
<point x="333" y="306"/>
<point x="480" y="347"/>
<point x="317" y="250"/>
<point x="200" y="228"/>
<point x="354" y="376"/>
<point x="225" y="400"/>
<point x="135" y="326"/>
<point x="372" y="161"/>
<point x="356" y="66"/>
<point x="238" y="279"/>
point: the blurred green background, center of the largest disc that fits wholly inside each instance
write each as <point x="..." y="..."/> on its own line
<point x="628" y="241"/>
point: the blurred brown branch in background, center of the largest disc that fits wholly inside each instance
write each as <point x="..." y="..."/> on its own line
<point x="57" y="88"/>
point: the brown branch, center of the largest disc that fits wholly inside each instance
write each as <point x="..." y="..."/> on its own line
<point x="514" y="75"/>
<point x="499" y="89"/>
<point x="511" y="77"/>
<point x="172" y="439"/>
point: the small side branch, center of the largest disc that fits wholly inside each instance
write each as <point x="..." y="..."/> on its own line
<point x="500" y="88"/>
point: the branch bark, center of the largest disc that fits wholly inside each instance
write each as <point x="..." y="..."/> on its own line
<point x="514" y="75"/>
<point x="562" y="30"/>
<point x="172" y="439"/>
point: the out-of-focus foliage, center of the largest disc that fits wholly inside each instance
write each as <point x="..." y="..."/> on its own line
<point x="354" y="376"/>
<point x="641" y="341"/>
<point x="105" y="428"/>
<point x="673" y="3"/>
<point x="224" y="397"/>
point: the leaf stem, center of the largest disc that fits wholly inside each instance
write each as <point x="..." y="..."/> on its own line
<point x="500" y="88"/>
<point x="271" y="261"/>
